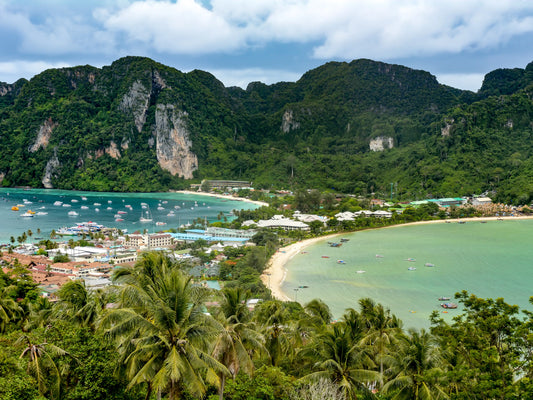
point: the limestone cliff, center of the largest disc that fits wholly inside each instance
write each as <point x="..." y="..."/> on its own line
<point x="288" y="122"/>
<point x="136" y="101"/>
<point x="173" y="143"/>
<point x="50" y="171"/>
<point x="43" y="135"/>
<point x="381" y="143"/>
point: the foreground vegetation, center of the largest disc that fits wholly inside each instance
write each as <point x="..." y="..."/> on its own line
<point x="150" y="336"/>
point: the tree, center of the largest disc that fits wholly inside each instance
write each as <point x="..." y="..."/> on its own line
<point x="160" y="328"/>
<point x="416" y="368"/>
<point x="337" y="358"/>
<point x="237" y="339"/>
<point x="9" y="309"/>
<point x="382" y="329"/>
<point x="41" y="365"/>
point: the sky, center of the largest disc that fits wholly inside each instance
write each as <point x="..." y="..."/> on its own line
<point x="241" y="41"/>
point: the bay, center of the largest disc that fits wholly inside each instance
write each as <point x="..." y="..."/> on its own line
<point x="190" y="208"/>
<point x="490" y="260"/>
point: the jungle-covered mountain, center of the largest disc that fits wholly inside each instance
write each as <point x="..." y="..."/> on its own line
<point x="357" y="127"/>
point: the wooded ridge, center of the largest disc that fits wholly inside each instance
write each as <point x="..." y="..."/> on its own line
<point x="357" y="127"/>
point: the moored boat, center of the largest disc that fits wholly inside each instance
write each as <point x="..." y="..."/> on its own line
<point x="429" y="265"/>
<point x="444" y="298"/>
<point x="449" y="305"/>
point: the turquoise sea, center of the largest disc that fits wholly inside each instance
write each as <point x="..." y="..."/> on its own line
<point x="109" y="204"/>
<point x="493" y="259"/>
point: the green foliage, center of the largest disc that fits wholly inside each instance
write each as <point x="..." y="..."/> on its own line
<point x="60" y="258"/>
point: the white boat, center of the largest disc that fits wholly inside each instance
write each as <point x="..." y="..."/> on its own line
<point x="84" y="198"/>
<point x="411" y="269"/>
<point x="160" y="208"/>
<point x="109" y="208"/>
<point x="74" y="201"/>
<point x="177" y="207"/>
<point x="159" y="223"/>
<point x="96" y="209"/>
<point x="84" y="207"/>
<point x="27" y="214"/>
<point x="171" y="214"/>
<point x="67" y="205"/>
<point x="142" y="219"/>
<point x="41" y="213"/>
<point x="57" y="203"/>
<point x="73" y="214"/>
<point x="146" y="217"/>
<point x="96" y="204"/>
<point x="360" y="271"/>
<point x="109" y="201"/>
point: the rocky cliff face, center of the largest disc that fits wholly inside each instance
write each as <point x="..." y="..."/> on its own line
<point x="43" y="135"/>
<point x="136" y="101"/>
<point x="173" y="142"/>
<point x="50" y="170"/>
<point x="381" y="143"/>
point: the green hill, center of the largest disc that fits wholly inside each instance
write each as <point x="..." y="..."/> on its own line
<point x="357" y="127"/>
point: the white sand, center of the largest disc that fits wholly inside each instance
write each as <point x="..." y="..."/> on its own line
<point x="222" y="196"/>
<point x="276" y="271"/>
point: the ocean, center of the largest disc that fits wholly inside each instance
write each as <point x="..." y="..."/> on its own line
<point x="186" y="208"/>
<point x="490" y="260"/>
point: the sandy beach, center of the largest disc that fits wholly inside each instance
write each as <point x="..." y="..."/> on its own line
<point x="222" y="196"/>
<point x="275" y="273"/>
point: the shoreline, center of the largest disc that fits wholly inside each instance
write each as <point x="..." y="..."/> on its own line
<point x="275" y="273"/>
<point x="220" y="196"/>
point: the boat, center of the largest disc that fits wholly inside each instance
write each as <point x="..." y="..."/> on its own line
<point x="159" y="223"/>
<point x="303" y="287"/>
<point x="333" y="244"/>
<point x="344" y="240"/>
<point x="146" y="217"/>
<point x="96" y="209"/>
<point x="160" y="208"/>
<point x="164" y="202"/>
<point x="109" y="208"/>
<point x="97" y="204"/>
<point x="429" y="265"/>
<point x="341" y="262"/>
<point x="410" y="259"/>
<point x="449" y="305"/>
<point x="444" y="298"/>
<point x="83" y="198"/>
<point x="411" y="269"/>
<point x="171" y="214"/>
<point x="325" y="256"/>
<point x="27" y="201"/>
<point x="119" y="219"/>
<point x="142" y="219"/>
<point x="84" y="207"/>
<point x="41" y="213"/>
<point x="73" y="214"/>
<point x="144" y="204"/>
<point x="14" y="208"/>
<point x="122" y="212"/>
<point x="57" y="203"/>
<point x="27" y="214"/>
<point x="67" y="205"/>
<point x="73" y="201"/>
<point x="379" y="256"/>
<point x="177" y="207"/>
<point x="109" y="201"/>
<point x="360" y="271"/>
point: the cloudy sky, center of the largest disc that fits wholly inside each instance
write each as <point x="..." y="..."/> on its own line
<point x="240" y="41"/>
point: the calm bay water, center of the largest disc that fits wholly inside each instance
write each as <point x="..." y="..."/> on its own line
<point x="190" y="208"/>
<point x="493" y="259"/>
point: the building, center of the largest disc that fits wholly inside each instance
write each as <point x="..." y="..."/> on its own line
<point x="279" y="221"/>
<point x="481" y="201"/>
<point x="223" y="184"/>
<point x="160" y="240"/>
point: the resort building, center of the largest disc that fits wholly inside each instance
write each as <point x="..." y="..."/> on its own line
<point x="481" y="201"/>
<point x="223" y="184"/>
<point x="279" y="221"/>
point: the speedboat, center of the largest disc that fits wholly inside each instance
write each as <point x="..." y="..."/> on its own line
<point x="449" y="305"/>
<point x="429" y="265"/>
<point x="411" y="269"/>
<point x="360" y="271"/>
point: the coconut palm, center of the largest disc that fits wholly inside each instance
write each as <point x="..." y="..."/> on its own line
<point x="79" y="304"/>
<point x="273" y="318"/>
<point x="416" y="368"/>
<point x="382" y="328"/>
<point x="342" y="361"/>
<point x="161" y="330"/>
<point x="237" y="338"/>
<point x="9" y="309"/>
<point x="41" y="365"/>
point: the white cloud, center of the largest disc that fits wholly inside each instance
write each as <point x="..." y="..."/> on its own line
<point x="242" y="77"/>
<point x="182" y="27"/>
<point x="10" y="72"/>
<point x="462" y="81"/>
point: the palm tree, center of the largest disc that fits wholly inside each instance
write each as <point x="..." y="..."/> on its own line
<point x="79" y="304"/>
<point x="9" y="309"/>
<point x="160" y="328"/>
<point x="416" y="368"/>
<point x="341" y="360"/>
<point x="237" y="339"/>
<point x="382" y="328"/>
<point x="42" y="366"/>
<point x="273" y="318"/>
<point x="40" y="314"/>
